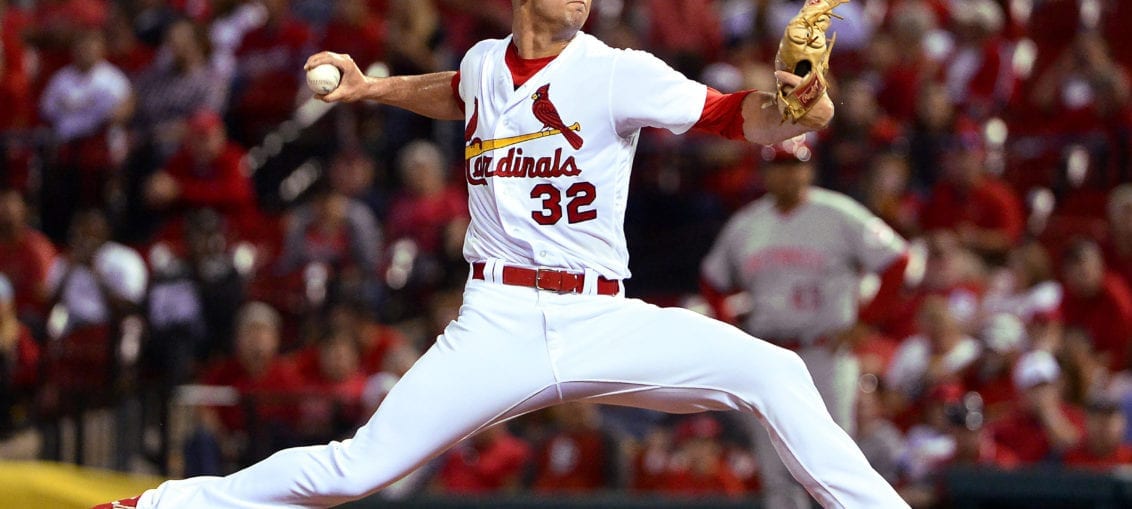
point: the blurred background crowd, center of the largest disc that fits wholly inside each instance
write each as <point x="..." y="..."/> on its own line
<point x="185" y="234"/>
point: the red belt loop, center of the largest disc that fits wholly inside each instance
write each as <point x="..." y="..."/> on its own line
<point x="553" y="280"/>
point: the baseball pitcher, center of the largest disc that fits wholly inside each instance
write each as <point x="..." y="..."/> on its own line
<point x="552" y="120"/>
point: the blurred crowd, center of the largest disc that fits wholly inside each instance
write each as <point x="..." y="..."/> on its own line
<point x="176" y="209"/>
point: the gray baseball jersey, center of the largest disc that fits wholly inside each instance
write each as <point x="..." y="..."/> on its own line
<point x="802" y="269"/>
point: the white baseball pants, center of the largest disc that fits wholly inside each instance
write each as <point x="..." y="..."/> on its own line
<point x="835" y="375"/>
<point x="514" y="350"/>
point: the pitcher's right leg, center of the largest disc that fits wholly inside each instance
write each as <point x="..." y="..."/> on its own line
<point x="489" y="365"/>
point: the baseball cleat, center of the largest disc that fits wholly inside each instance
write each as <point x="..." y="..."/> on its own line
<point x="125" y="503"/>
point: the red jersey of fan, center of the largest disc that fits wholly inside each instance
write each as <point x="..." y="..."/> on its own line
<point x="991" y="204"/>
<point x="219" y="184"/>
<point x="1106" y="317"/>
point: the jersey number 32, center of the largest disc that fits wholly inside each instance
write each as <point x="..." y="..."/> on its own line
<point x="581" y="194"/>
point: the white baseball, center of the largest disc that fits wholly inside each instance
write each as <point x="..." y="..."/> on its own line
<point x="323" y="79"/>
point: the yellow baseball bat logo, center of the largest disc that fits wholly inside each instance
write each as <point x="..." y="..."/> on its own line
<point x="479" y="147"/>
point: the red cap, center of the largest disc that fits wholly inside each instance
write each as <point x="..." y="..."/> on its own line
<point x="796" y="149"/>
<point x="204" y="122"/>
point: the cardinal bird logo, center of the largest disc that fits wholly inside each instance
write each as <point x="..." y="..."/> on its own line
<point x="546" y="113"/>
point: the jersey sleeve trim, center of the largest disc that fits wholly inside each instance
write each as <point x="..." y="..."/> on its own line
<point x="723" y="114"/>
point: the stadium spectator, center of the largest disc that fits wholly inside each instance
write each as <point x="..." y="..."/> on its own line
<point x="429" y="213"/>
<point x="341" y="234"/>
<point x="1097" y="302"/>
<point x="982" y="210"/>
<point x="979" y="70"/>
<point x="492" y="461"/>
<point x="330" y="400"/>
<point x="25" y="256"/>
<point x="196" y="293"/>
<point x="97" y="288"/>
<point x="699" y="467"/>
<point x="939" y="355"/>
<point x="176" y="86"/>
<point x="578" y="456"/>
<point x="381" y="348"/>
<point x="1042" y="426"/>
<point x="260" y="422"/>
<point x="270" y="59"/>
<point x="208" y="171"/>
<point x="1103" y="447"/>
<point x="887" y="192"/>
<point x="85" y="103"/>
<point x="428" y="206"/>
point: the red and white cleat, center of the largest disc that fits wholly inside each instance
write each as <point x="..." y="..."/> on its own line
<point x="125" y="503"/>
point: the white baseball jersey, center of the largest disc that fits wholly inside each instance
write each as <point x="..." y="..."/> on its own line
<point x="539" y="201"/>
<point x="803" y="268"/>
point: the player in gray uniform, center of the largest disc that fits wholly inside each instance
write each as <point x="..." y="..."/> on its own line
<point x="799" y="253"/>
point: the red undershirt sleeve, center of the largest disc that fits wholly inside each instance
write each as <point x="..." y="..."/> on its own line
<point x="891" y="283"/>
<point x="456" y="90"/>
<point x="723" y="114"/>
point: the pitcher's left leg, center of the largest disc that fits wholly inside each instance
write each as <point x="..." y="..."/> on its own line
<point x="631" y="353"/>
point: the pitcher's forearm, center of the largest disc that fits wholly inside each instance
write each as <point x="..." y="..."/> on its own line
<point x="429" y="95"/>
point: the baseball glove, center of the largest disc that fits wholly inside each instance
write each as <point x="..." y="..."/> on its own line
<point x="804" y="51"/>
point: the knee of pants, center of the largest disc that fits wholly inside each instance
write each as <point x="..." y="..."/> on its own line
<point x="771" y="370"/>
